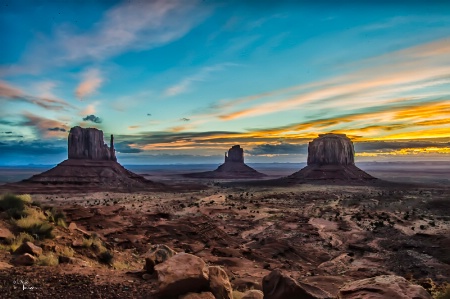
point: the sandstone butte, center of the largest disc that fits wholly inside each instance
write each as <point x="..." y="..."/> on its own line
<point x="232" y="168"/>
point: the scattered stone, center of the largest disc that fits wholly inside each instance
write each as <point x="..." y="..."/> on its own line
<point x="156" y="255"/>
<point x="28" y="247"/>
<point x="23" y="260"/>
<point x="146" y="276"/>
<point x="384" y="286"/>
<point x="181" y="274"/>
<point x="72" y="226"/>
<point x="5" y="233"/>
<point x="279" y="286"/>
<point x="219" y="283"/>
<point x="253" y="294"/>
<point x="203" y="295"/>
<point x="4" y="265"/>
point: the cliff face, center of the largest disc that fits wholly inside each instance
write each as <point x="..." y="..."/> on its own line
<point x="331" y="149"/>
<point x="235" y="154"/>
<point x="89" y="144"/>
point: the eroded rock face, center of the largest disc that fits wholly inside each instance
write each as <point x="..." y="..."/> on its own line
<point x="88" y="143"/>
<point x="384" y="286"/>
<point x="235" y="154"/>
<point x="157" y="255"/>
<point x="331" y="149"/>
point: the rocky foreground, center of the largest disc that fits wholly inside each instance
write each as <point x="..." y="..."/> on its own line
<point x="297" y="242"/>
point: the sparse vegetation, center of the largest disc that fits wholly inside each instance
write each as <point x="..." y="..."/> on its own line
<point x="35" y="226"/>
<point x="15" y="242"/>
<point x="14" y="205"/>
<point x="105" y="257"/>
<point x="67" y="251"/>
<point x="47" y="260"/>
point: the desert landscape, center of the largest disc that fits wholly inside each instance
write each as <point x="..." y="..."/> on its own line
<point x="326" y="235"/>
<point x="225" y="149"/>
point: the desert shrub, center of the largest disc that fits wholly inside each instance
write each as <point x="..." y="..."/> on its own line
<point x="87" y="242"/>
<point x="120" y="265"/>
<point x="48" y="260"/>
<point x="443" y="293"/>
<point x="35" y="226"/>
<point x="105" y="257"/>
<point x="55" y="215"/>
<point x="14" y="205"/>
<point x="15" y="242"/>
<point x="67" y="251"/>
<point x="61" y="223"/>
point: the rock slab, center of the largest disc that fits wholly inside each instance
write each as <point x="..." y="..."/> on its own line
<point x="219" y="283"/>
<point x="183" y="273"/>
<point x="28" y="247"/>
<point x="384" y="286"/>
<point x="279" y="286"/>
<point x="157" y="255"/>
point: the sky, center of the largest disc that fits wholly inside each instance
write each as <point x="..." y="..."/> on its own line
<point x="183" y="81"/>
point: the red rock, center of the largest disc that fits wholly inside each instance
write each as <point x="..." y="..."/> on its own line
<point x="28" y="247"/>
<point x="181" y="274"/>
<point x="278" y="286"/>
<point x="24" y="260"/>
<point x="384" y="286"/>
<point x="72" y="226"/>
<point x="156" y="255"/>
<point x="219" y="283"/>
<point x="5" y="233"/>
<point x="88" y="143"/>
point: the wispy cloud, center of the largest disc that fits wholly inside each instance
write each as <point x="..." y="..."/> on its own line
<point x="93" y="118"/>
<point x="45" y="127"/>
<point x="130" y="26"/>
<point x="202" y="75"/>
<point x="92" y="80"/>
<point x="11" y="93"/>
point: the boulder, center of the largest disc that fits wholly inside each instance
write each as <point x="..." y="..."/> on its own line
<point x="88" y="143"/>
<point x="331" y="149"/>
<point x="183" y="273"/>
<point x="279" y="286"/>
<point x="253" y="294"/>
<point x="28" y="247"/>
<point x="219" y="283"/>
<point x="384" y="286"/>
<point x="156" y="255"/>
<point x="203" y="295"/>
<point x="24" y="260"/>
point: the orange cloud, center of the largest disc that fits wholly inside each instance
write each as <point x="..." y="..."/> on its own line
<point x="91" y="82"/>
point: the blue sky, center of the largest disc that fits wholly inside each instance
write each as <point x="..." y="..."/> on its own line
<point x="182" y="81"/>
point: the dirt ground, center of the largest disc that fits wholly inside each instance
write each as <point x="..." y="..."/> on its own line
<point x="322" y="234"/>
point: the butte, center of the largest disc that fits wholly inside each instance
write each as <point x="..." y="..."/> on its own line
<point x="91" y="166"/>
<point x="331" y="157"/>
<point x="233" y="167"/>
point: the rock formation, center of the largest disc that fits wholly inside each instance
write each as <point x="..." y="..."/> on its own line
<point x="232" y="168"/>
<point x="91" y="165"/>
<point x="331" y="157"/>
<point x="88" y="144"/>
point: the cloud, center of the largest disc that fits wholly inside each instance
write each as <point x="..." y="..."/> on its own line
<point x="93" y="118"/>
<point x="45" y="127"/>
<point x="278" y="149"/>
<point x="57" y="129"/>
<point x="91" y="82"/>
<point x="35" y="151"/>
<point x="11" y="93"/>
<point x="89" y="109"/>
<point x="185" y="119"/>
<point x="386" y="146"/>
<point x="129" y="26"/>
<point x="202" y="75"/>
<point x="8" y="132"/>
<point x="125" y="148"/>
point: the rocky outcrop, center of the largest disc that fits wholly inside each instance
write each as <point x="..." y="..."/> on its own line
<point x="88" y="143"/>
<point x="330" y="157"/>
<point x="183" y="273"/>
<point x="279" y="286"/>
<point x="28" y="247"/>
<point x="24" y="260"/>
<point x="380" y="287"/>
<point x="233" y="167"/>
<point x="331" y="149"/>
